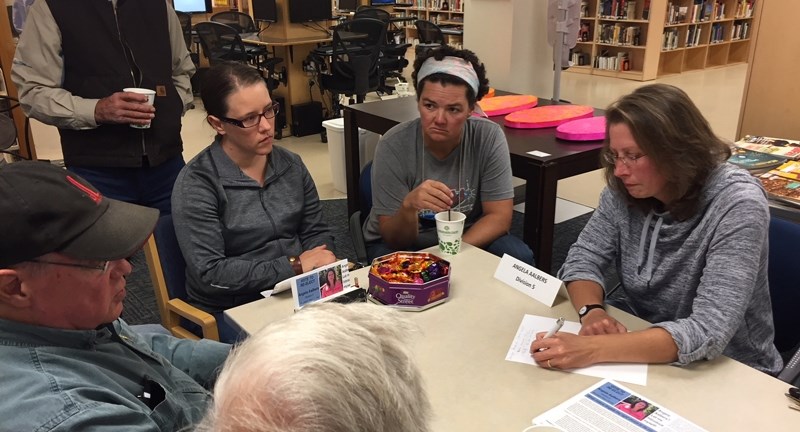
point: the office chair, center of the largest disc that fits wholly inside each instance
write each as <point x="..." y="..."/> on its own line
<point x="168" y="274"/>
<point x="784" y="290"/>
<point x="393" y="55"/>
<point x="222" y="43"/>
<point x="354" y="61"/>
<point x="430" y="36"/>
<point x="358" y="218"/>
<point x="242" y="22"/>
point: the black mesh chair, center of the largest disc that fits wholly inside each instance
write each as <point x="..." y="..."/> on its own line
<point x="354" y="62"/>
<point x="9" y="143"/>
<point x="430" y="36"/>
<point x="393" y="55"/>
<point x="242" y="22"/>
<point x="186" y="27"/>
<point x="222" y="42"/>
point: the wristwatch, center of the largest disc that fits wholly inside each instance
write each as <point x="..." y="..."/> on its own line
<point x="297" y="266"/>
<point x="586" y="308"/>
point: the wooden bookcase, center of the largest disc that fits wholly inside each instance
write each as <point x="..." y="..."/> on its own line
<point x="690" y="23"/>
<point x="433" y="11"/>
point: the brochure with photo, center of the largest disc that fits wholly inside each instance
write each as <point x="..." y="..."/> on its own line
<point x="321" y="284"/>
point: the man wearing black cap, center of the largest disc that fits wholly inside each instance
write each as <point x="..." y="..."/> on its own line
<point x="69" y="362"/>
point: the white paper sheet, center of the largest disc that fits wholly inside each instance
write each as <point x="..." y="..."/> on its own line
<point x="519" y="352"/>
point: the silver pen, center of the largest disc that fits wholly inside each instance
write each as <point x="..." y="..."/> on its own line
<point x="552" y="332"/>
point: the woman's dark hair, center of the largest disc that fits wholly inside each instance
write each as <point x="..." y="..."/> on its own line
<point x="448" y="51"/>
<point x="221" y="81"/>
<point x="671" y="131"/>
<point x="646" y="405"/>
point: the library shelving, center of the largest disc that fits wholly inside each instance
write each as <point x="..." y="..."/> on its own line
<point x="645" y="39"/>
<point x="447" y="14"/>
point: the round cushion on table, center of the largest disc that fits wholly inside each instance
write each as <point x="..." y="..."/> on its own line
<point x="500" y="105"/>
<point x="547" y="116"/>
<point x="585" y="129"/>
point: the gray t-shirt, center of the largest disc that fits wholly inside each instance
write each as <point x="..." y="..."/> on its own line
<point x="478" y="170"/>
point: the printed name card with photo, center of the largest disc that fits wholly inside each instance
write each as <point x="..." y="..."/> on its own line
<point x="529" y="280"/>
<point x="321" y="284"/>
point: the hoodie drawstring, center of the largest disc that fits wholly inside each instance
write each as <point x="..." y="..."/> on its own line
<point x="648" y="268"/>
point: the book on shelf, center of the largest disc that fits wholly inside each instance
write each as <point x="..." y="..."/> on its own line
<point x="781" y="188"/>
<point x="670" y="39"/>
<point x="719" y="9"/>
<point x="789" y="149"/>
<point x="753" y="161"/>
<point x="646" y="10"/>
<point x="744" y="8"/>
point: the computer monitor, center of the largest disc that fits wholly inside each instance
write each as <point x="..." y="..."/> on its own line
<point x="348" y="5"/>
<point x="310" y="10"/>
<point x="265" y="10"/>
<point x="193" y="6"/>
<point x="382" y="2"/>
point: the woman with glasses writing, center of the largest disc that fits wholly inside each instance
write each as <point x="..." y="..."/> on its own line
<point x="247" y="214"/>
<point x="687" y="234"/>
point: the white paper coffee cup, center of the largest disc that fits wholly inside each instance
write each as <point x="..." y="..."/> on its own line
<point x="151" y="95"/>
<point x="449" y="228"/>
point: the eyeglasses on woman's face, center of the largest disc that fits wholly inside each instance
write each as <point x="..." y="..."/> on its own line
<point x="253" y="120"/>
<point x="627" y="160"/>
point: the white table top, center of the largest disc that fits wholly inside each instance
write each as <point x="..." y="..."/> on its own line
<point x="473" y="388"/>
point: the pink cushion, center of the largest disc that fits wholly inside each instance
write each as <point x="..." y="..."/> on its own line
<point x="586" y="129"/>
<point x="499" y="105"/>
<point x="547" y="116"/>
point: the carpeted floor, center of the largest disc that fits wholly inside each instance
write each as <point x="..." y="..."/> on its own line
<point x="140" y="304"/>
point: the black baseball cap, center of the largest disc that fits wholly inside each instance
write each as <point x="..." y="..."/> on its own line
<point x="47" y="209"/>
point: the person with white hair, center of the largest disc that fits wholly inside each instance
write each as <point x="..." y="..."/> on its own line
<point x="330" y="367"/>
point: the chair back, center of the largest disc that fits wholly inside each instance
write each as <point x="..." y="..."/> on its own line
<point x="358" y="218"/>
<point x="220" y="42"/>
<point x="357" y="46"/>
<point x="242" y="22"/>
<point x="372" y="12"/>
<point x="428" y="32"/>
<point x="784" y="236"/>
<point x="168" y="275"/>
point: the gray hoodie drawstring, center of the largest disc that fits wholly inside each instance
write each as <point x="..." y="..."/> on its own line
<point x="648" y="269"/>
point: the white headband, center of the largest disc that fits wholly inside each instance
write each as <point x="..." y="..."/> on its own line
<point x="455" y="66"/>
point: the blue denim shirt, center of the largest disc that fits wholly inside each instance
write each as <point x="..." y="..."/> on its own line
<point x="82" y="380"/>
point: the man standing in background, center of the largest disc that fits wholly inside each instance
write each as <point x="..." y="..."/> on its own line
<point x="71" y="66"/>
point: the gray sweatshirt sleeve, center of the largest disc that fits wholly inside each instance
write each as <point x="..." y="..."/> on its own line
<point x="597" y="244"/>
<point x="313" y="230"/>
<point x="737" y="251"/>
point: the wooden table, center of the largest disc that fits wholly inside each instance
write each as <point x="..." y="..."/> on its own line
<point x="542" y="173"/>
<point x="473" y="388"/>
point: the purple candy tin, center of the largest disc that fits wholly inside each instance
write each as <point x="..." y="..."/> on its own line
<point x="409" y="280"/>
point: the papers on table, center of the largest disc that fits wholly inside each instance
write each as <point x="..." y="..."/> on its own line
<point x="608" y="406"/>
<point x="532" y="324"/>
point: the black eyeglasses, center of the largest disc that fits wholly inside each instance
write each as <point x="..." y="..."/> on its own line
<point x="102" y="266"/>
<point x="253" y="120"/>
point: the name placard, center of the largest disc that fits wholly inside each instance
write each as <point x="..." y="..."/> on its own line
<point x="321" y="284"/>
<point x="529" y="280"/>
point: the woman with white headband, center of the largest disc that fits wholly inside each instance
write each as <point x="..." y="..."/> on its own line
<point x="445" y="159"/>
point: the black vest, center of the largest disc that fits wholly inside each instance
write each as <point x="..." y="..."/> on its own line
<point x="94" y="41"/>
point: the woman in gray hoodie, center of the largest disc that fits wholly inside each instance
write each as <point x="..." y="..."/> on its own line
<point x="688" y="235"/>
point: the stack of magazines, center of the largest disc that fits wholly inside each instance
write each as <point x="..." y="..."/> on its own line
<point x="775" y="161"/>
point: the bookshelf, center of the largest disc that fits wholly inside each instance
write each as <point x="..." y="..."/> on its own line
<point x="447" y="14"/>
<point x="645" y="39"/>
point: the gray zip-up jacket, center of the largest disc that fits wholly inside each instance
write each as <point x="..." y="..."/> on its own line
<point x="237" y="236"/>
<point x="704" y="280"/>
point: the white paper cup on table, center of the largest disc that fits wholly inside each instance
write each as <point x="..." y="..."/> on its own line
<point x="151" y="95"/>
<point x="449" y="228"/>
